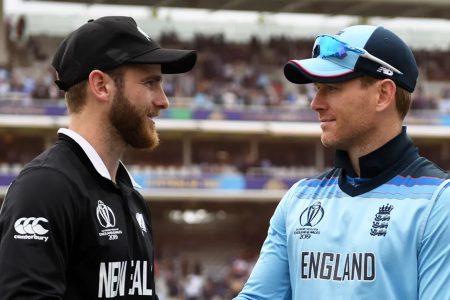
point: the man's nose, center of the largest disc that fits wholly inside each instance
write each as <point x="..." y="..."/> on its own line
<point x="162" y="101"/>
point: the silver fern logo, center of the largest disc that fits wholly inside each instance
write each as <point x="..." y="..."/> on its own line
<point x="144" y="33"/>
<point x="141" y="222"/>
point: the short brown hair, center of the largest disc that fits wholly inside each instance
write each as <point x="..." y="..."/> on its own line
<point x="402" y="96"/>
<point x="76" y="95"/>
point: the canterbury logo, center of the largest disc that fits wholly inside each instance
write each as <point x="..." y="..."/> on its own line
<point x="30" y="226"/>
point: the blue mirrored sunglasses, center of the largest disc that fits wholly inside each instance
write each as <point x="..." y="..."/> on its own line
<point x="329" y="46"/>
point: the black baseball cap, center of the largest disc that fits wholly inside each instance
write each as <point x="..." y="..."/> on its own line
<point x="109" y="42"/>
<point x="353" y="52"/>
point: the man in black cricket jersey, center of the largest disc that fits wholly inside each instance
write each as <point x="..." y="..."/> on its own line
<point x="73" y="225"/>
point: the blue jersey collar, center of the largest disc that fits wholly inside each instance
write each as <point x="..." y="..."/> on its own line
<point x="399" y="148"/>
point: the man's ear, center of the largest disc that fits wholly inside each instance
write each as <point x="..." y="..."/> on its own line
<point x="386" y="92"/>
<point x="101" y="85"/>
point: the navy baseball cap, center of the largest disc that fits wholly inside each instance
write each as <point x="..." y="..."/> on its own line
<point x="353" y="52"/>
<point x="109" y="42"/>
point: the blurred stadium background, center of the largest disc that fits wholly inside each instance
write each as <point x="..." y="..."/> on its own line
<point x="237" y="134"/>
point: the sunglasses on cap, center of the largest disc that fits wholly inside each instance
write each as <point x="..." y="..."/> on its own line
<point x="329" y="46"/>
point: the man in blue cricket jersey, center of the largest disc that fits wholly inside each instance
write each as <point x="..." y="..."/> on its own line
<point x="377" y="225"/>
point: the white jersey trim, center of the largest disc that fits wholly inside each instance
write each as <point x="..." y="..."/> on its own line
<point x="93" y="155"/>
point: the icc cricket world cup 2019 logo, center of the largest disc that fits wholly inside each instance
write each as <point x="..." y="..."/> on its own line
<point x="312" y="215"/>
<point x="105" y="215"/>
<point x="309" y="218"/>
<point x="107" y="220"/>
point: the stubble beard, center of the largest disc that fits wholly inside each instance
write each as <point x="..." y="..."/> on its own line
<point x="132" y="124"/>
<point x="357" y="139"/>
<point x="335" y="142"/>
<point x="329" y="141"/>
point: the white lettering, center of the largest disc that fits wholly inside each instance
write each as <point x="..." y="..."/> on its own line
<point x="136" y="280"/>
<point x="145" y="290"/>
<point x="110" y="232"/>
<point x="31" y="237"/>
<point x="112" y="281"/>
<point x="122" y="273"/>
<point x="103" y="281"/>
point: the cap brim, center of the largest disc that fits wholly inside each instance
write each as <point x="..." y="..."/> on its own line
<point x="317" y="70"/>
<point x="172" y="61"/>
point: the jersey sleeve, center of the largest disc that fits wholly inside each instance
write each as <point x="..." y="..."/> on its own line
<point x="270" y="277"/>
<point x="434" y="252"/>
<point x="36" y="233"/>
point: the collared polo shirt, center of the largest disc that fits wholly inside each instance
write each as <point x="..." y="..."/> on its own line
<point x="67" y="231"/>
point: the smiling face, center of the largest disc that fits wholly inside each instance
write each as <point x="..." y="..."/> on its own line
<point x="347" y="114"/>
<point x="139" y="98"/>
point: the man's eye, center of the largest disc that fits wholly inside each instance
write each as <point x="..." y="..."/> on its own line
<point x="152" y="83"/>
<point x="332" y="87"/>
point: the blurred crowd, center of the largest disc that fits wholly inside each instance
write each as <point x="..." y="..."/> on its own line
<point x="177" y="280"/>
<point x="228" y="74"/>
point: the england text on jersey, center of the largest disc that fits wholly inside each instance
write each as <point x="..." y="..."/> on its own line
<point x="337" y="266"/>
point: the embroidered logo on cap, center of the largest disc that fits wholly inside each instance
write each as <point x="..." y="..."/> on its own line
<point x="385" y="71"/>
<point x="143" y="33"/>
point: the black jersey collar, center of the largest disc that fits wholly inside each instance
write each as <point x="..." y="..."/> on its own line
<point x="95" y="159"/>
<point x="380" y="160"/>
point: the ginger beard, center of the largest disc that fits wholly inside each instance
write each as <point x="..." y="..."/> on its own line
<point x="132" y="124"/>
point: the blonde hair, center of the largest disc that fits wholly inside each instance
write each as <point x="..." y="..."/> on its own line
<point x="402" y="96"/>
